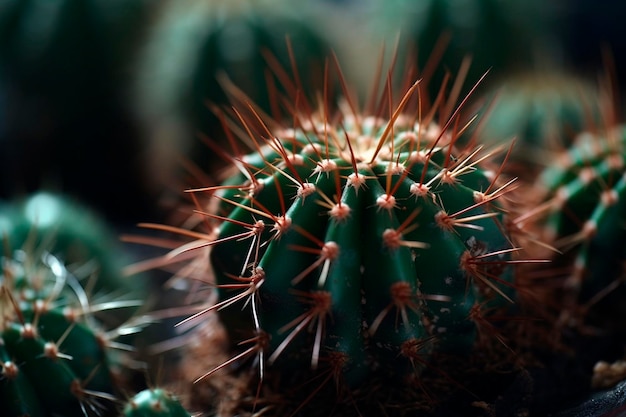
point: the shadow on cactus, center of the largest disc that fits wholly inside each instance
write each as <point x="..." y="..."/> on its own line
<point x="353" y="247"/>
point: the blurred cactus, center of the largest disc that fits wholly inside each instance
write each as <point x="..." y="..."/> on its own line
<point x="64" y="71"/>
<point x="194" y="46"/>
<point x="580" y="210"/>
<point x="55" y="356"/>
<point x="154" y="403"/>
<point x="544" y="111"/>
<point x="76" y="234"/>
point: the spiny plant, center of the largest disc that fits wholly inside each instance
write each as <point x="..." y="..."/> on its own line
<point x="194" y="46"/>
<point x="354" y="246"/>
<point x="581" y="210"/>
<point x="154" y="402"/>
<point x="61" y="346"/>
<point x="543" y="110"/>
<point x="55" y="356"/>
<point x="75" y="233"/>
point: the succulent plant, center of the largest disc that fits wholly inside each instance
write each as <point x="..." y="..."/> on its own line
<point x="194" y="46"/>
<point x="356" y="245"/>
<point x="53" y="352"/>
<point x="154" y="402"/>
<point x="75" y="233"/>
<point x="544" y="111"/>
<point x="66" y="312"/>
<point x="580" y="208"/>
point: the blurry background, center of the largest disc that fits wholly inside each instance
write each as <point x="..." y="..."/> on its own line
<point x="99" y="99"/>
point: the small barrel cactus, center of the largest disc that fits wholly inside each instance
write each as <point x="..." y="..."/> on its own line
<point x="53" y="360"/>
<point x="358" y="246"/>
<point x="193" y="45"/>
<point x="74" y="232"/>
<point x="582" y="212"/>
<point x="154" y="403"/>
<point x="62" y="333"/>
<point x="544" y="111"/>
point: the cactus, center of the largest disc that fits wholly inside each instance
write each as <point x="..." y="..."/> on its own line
<point x="543" y="110"/>
<point x="63" y="334"/>
<point x="357" y="245"/>
<point x="153" y="403"/>
<point x="192" y="45"/>
<point x="581" y="210"/>
<point x="65" y="63"/>
<point x="75" y="233"/>
<point x="54" y="361"/>
<point x="501" y="36"/>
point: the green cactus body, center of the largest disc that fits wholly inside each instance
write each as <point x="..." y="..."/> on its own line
<point x="193" y="44"/>
<point x="53" y="360"/>
<point x="154" y="402"/>
<point x="543" y="111"/>
<point x="499" y="36"/>
<point x="63" y="50"/>
<point x="73" y="232"/>
<point x="586" y="205"/>
<point x="362" y="247"/>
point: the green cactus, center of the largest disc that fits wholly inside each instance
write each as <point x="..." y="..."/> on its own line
<point x="502" y="36"/>
<point x="67" y="64"/>
<point x="54" y="360"/>
<point x="154" y="402"/>
<point x="75" y="233"/>
<point x="543" y="110"/>
<point x="193" y="44"/>
<point x="582" y="212"/>
<point x="360" y="246"/>
<point x="66" y="50"/>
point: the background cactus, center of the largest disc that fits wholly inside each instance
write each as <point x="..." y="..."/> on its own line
<point x="581" y="210"/>
<point x="154" y="402"/>
<point x="205" y="42"/>
<point x="74" y="232"/>
<point x="543" y="110"/>
<point x="65" y="66"/>
<point x="67" y="312"/>
<point x="53" y="354"/>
